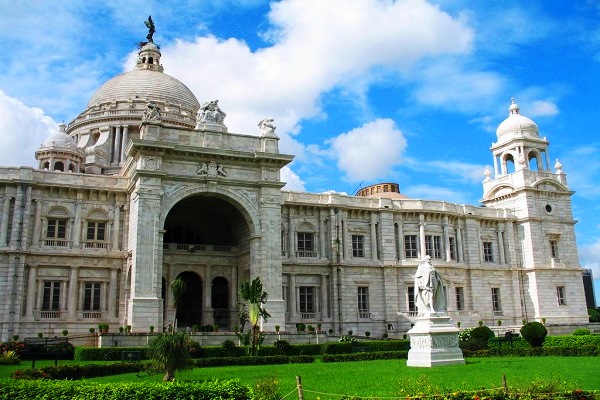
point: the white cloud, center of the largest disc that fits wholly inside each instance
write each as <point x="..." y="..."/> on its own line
<point x="292" y="181"/>
<point x="22" y="131"/>
<point x="583" y="177"/>
<point x="590" y="258"/>
<point x="543" y="108"/>
<point x="429" y="192"/>
<point x="369" y="151"/>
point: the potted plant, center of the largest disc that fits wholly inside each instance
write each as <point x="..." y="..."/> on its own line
<point x="92" y="330"/>
<point x="330" y="331"/>
<point x="499" y="322"/>
<point x="128" y="329"/>
<point x="15" y="337"/>
<point x="311" y="328"/>
<point x="121" y="329"/>
<point x="367" y="333"/>
<point x="151" y="328"/>
<point x="40" y="335"/>
<point x="350" y="333"/>
<point x="458" y="324"/>
<point x="65" y="332"/>
<point x="319" y="327"/>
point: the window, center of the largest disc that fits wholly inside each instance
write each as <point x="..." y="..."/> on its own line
<point x="51" y="296"/>
<point x="410" y="246"/>
<point x="57" y="229"/>
<point x="96" y="230"/>
<point x="452" y="247"/>
<point x="306" y="244"/>
<point x="488" y="252"/>
<point x="363" y="302"/>
<point x="307" y="299"/>
<point x="412" y="307"/>
<point x="560" y="296"/>
<point x="496" y="305"/>
<point x="358" y="246"/>
<point x="433" y="246"/>
<point x="460" y="298"/>
<point x="554" y="248"/>
<point x="91" y="296"/>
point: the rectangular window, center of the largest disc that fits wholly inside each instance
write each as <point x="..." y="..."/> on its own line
<point x="452" y="247"/>
<point x="411" y="299"/>
<point x="358" y="246"/>
<point x="96" y="230"/>
<point x="306" y="244"/>
<point x="57" y="229"/>
<point x="554" y="248"/>
<point x="51" y="296"/>
<point x="460" y="298"/>
<point x="307" y="299"/>
<point x="91" y="296"/>
<point x="496" y="305"/>
<point x="433" y="246"/>
<point x="363" y="302"/>
<point x="410" y="246"/>
<point x="488" y="252"/>
<point x="560" y="296"/>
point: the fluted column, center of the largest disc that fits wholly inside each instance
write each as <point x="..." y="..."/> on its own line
<point x="4" y="223"/>
<point x="77" y="224"/>
<point x="373" y="226"/>
<point x="73" y="285"/>
<point x="293" y="303"/>
<point x="500" y="245"/>
<point x="346" y="242"/>
<point x="31" y="284"/>
<point x="291" y="235"/>
<point x="324" y="299"/>
<point x="322" y="234"/>
<point x="459" y="243"/>
<point x="37" y="223"/>
<point x="116" y="227"/>
<point x="14" y="232"/>
<point x="447" y="239"/>
<point x="112" y="294"/>
<point x="25" y="220"/>
<point x="422" y="249"/>
<point x="124" y="142"/>
<point x="401" y="254"/>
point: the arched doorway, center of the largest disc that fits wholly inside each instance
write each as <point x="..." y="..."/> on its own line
<point x="189" y="309"/>
<point x="220" y="301"/>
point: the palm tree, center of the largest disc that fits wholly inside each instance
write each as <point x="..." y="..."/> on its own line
<point x="254" y="298"/>
<point x="169" y="351"/>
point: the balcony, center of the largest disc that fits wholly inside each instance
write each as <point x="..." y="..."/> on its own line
<point x="306" y="254"/>
<point x="364" y="315"/>
<point x="49" y="314"/>
<point x="56" y="243"/>
<point x="200" y="248"/>
<point x="91" y="315"/>
<point x="95" y="245"/>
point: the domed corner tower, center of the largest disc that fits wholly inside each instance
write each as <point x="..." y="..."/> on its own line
<point x="115" y="111"/>
<point x="60" y="153"/>
<point x="523" y="183"/>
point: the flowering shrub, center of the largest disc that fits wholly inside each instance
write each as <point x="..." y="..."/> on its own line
<point x="194" y="348"/>
<point x="465" y="334"/>
<point x="348" y="339"/>
<point x="13" y="345"/>
<point x="9" y="357"/>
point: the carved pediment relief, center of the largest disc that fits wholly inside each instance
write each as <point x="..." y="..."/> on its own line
<point x="357" y="229"/>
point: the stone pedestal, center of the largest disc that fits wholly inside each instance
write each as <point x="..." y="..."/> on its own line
<point x="433" y="342"/>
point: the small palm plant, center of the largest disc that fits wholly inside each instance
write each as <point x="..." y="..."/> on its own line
<point x="169" y="351"/>
<point x="254" y="298"/>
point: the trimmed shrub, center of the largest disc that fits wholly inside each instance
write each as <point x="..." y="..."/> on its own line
<point x="581" y="332"/>
<point x="337" y="348"/>
<point x="75" y="372"/>
<point x="228" y="347"/>
<point x="238" y="361"/>
<point x="381" y="355"/>
<point x="572" y="341"/>
<point x="106" y="353"/>
<point x="535" y="333"/>
<point x="594" y="315"/>
<point x="387" y="345"/>
<point x="283" y="347"/>
<point x="482" y="333"/>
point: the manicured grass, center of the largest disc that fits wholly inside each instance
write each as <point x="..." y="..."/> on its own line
<point x="387" y="378"/>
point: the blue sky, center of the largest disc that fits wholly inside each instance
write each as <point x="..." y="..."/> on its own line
<point x="361" y="90"/>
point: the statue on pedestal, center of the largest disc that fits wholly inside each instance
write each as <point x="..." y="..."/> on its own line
<point x="210" y="113"/>
<point x="429" y="289"/>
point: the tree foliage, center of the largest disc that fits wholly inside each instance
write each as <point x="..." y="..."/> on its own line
<point x="252" y="311"/>
<point x="534" y="333"/>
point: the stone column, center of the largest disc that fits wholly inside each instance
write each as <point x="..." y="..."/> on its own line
<point x="459" y="243"/>
<point x="14" y="233"/>
<point x="291" y="252"/>
<point x="344" y="238"/>
<point x="373" y="226"/>
<point x="293" y="302"/>
<point x="37" y="221"/>
<point x="324" y="308"/>
<point x="322" y="234"/>
<point x="25" y="220"/>
<point x="112" y="294"/>
<point x="4" y="223"/>
<point x="423" y="247"/>
<point x="233" y="296"/>
<point x="401" y="254"/>
<point x="447" y="239"/>
<point x="73" y="285"/>
<point x="500" y="245"/>
<point x="31" y="285"/>
<point x="124" y="142"/>
<point x="208" y="315"/>
<point x="77" y="223"/>
<point x="116" y="227"/>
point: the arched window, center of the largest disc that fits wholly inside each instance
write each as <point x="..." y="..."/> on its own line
<point x="533" y="161"/>
<point x="71" y="167"/>
<point x="509" y="161"/>
<point x="56" y="227"/>
<point x="96" y="235"/>
<point x="59" y="166"/>
<point x="305" y="240"/>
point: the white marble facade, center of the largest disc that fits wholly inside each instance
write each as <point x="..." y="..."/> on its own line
<point x="121" y="204"/>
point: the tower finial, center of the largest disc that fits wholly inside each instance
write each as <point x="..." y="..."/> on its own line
<point x="514" y="108"/>
<point x="150" y="24"/>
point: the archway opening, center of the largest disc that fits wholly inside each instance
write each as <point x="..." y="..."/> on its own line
<point x="189" y="309"/>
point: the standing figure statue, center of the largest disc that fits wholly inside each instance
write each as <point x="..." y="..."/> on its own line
<point x="429" y="289"/>
<point x="211" y="113"/>
<point x="151" y="29"/>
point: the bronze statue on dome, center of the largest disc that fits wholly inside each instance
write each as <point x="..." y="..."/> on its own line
<point x="151" y="29"/>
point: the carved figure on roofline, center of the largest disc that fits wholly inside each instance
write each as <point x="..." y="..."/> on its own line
<point x="150" y="24"/>
<point x="152" y="112"/>
<point x="267" y="127"/>
<point x="210" y="113"/>
<point x="429" y="289"/>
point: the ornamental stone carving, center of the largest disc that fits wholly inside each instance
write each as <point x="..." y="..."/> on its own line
<point x="152" y="113"/>
<point x="211" y="169"/>
<point x="267" y="128"/>
<point x="210" y="113"/>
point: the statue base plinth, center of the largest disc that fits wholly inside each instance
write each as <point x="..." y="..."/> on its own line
<point x="433" y="342"/>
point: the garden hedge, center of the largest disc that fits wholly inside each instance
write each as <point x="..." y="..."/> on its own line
<point x="107" y="353"/>
<point x="67" y="390"/>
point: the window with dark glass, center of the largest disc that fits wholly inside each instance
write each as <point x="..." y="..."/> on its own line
<point x="488" y="252"/>
<point x="496" y="305"/>
<point x="363" y="301"/>
<point x="358" y="246"/>
<point x="307" y="299"/>
<point x="560" y="296"/>
<point x="410" y="246"/>
<point x="96" y="230"/>
<point x="51" y="296"/>
<point x="452" y="247"/>
<point x="91" y="296"/>
<point x="306" y="242"/>
<point x="554" y="248"/>
<point x="412" y="307"/>
<point x="460" y="298"/>
<point x="433" y="246"/>
<point x="57" y="229"/>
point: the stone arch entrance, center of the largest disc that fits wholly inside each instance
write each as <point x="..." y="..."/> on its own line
<point x="208" y="235"/>
<point x="189" y="310"/>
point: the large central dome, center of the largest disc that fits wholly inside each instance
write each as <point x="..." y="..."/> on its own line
<point x="145" y="84"/>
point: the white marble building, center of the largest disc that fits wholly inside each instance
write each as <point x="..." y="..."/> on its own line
<point x="147" y="184"/>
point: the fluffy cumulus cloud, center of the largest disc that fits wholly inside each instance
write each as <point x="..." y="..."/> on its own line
<point x="22" y="131"/>
<point x="543" y="108"/>
<point x="588" y="254"/>
<point x="292" y="180"/>
<point x="430" y="192"/>
<point x="369" y="151"/>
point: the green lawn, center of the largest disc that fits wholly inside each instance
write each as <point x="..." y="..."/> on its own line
<point x="387" y="378"/>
